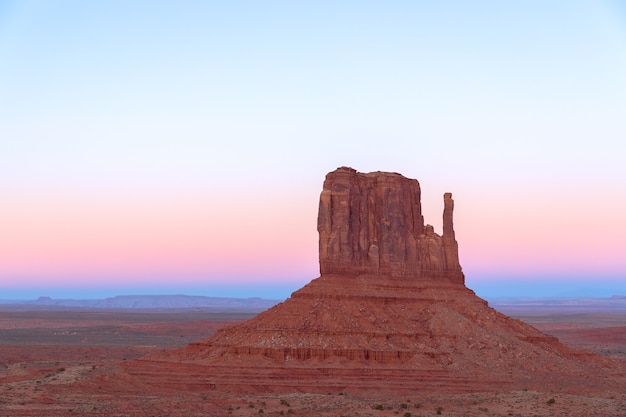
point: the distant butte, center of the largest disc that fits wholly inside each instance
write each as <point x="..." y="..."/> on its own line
<point x="389" y="314"/>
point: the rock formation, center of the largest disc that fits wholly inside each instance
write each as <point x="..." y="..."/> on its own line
<point x="373" y="224"/>
<point x="390" y="306"/>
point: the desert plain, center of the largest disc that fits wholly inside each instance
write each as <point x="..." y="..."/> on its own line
<point x="71" y="362"/>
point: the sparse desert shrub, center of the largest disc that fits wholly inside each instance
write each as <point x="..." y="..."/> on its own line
<point x="551" y="401"/>
<point x="378" y="407"/>
<point x="404" y="406"/>
<point x="284" y="402"/>
<point x="407" y="414"/>
<point x="439" y="410"/>
<point x="260" y="411"/>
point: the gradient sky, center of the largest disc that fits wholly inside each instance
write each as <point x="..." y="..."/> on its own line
<point x="180" y="146"/>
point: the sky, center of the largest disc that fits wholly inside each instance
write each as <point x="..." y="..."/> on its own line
<point x="179" y="147"/>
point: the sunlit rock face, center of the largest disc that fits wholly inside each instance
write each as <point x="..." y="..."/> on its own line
<point x="372" y="224"/>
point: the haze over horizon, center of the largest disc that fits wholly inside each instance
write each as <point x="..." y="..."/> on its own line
<point x="168" y="148"/>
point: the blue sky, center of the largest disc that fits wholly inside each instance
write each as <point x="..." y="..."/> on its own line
<point x="123" y="124"/>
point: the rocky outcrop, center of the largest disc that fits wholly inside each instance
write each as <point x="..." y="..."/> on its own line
<point x="390" y="305"/>
<point x="373" y="224"/>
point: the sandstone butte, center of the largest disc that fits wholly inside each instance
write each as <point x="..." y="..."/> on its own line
<point x="390" y="314"/>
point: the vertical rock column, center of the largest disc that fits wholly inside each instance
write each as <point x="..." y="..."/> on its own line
<point x="452" y="267"/>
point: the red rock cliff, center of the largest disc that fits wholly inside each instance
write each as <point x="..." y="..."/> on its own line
<point x="373" y="224"/>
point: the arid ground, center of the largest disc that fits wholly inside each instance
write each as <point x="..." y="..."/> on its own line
<point x="62" y="362"/>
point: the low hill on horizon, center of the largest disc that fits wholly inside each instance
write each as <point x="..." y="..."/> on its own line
<point x="151" y="302"/>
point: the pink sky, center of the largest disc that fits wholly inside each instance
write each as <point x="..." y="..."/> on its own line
<point x="270" y="236"/>
<point x="152" y="240"/>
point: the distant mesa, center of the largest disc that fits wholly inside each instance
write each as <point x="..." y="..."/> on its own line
<point x="390" y="313"/>
<point x="254" y="304"/>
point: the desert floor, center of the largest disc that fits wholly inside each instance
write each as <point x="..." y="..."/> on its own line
<point x="49" y="360"/>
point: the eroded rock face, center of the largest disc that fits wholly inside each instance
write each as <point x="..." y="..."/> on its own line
<point x="373" y="224"/>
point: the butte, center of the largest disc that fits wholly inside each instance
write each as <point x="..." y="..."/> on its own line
<point x="390" y="314"/>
